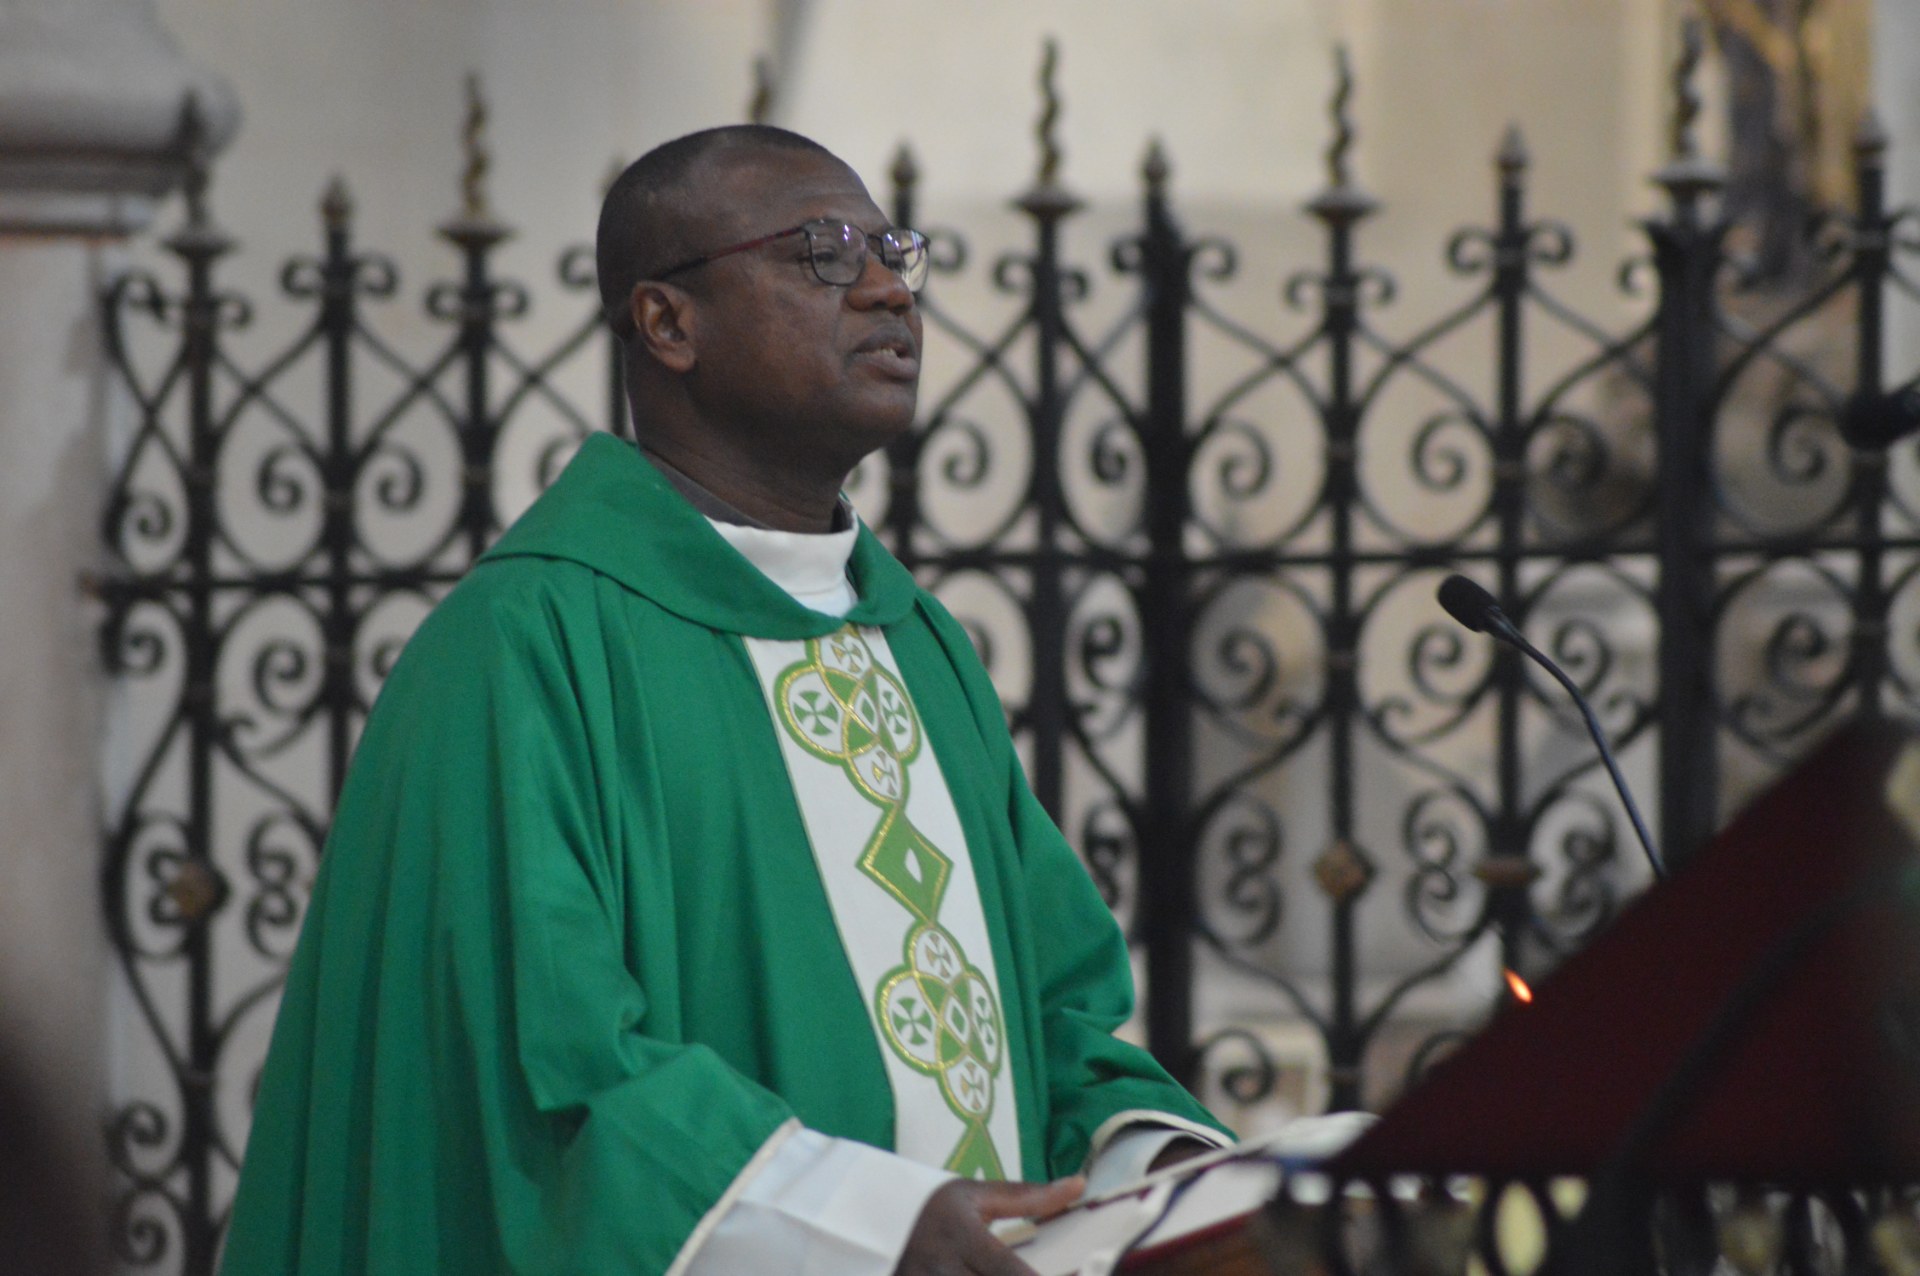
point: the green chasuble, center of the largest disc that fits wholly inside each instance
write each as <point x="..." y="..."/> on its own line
<point x="569" y="962"/>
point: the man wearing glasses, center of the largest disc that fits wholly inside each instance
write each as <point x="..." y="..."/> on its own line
<point x="686" y="909"/>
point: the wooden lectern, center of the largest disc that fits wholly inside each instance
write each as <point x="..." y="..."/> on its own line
<point x="1756" y="1017"/>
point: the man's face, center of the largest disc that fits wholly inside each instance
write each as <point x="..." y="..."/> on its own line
<point x="805" y="373"/>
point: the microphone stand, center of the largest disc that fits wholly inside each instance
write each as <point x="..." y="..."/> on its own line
<point x="1475" y="608"/>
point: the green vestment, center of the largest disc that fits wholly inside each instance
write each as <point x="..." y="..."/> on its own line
<point x="569" y="963"/>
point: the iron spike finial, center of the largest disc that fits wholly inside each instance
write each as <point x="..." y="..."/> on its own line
<point x="474" y="228"/>
<point x="905" y="172"/>
<point x="196" y="156"/>
<point x="198" y="237"/>
<point x="760" y="101"/>
<point x="1687" y="174"/>
<point x="336" y="205"/>
<point x="1155" y="169"/>
<point x="473" y="143"/>
<point x="1870" y="139"/>
<point x="1338" y="174"/>
<point x="1343" y="202"/>
<point x="1513" y="157"/>
<point x="1043" y="129"/>
<point x="906" y="177"/>
<point x="1686" y="108"/>
<point x="1048" y="200"/>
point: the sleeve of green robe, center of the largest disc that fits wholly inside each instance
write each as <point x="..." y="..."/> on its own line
<point x="1096" y="1082"/>
<point x="461" y="1078"/>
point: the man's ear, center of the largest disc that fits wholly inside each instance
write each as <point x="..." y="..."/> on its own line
<point x="663" y="316"/>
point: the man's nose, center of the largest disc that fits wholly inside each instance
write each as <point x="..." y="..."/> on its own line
<point x="880" y="286"/>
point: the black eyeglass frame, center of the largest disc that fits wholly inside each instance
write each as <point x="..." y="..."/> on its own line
<point x="885" y="240"/>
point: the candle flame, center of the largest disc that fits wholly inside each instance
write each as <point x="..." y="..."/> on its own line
<point x="1518" y="986"/>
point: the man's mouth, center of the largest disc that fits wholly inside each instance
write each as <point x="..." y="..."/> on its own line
<point x="892" y="351"/>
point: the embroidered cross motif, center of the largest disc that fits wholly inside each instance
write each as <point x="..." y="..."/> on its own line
<point x="937" y="1011"/>
<point x="817" y="715"/>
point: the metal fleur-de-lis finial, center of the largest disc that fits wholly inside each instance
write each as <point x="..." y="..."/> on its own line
<point x="1686" y="97"/>
<point x="1043" y="129"/>
<point x="473" y="144"/>
<point x="760" y="104"/>
<point x="1338" y="175"/>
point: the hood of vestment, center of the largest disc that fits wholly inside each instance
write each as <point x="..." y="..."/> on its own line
<point x="612" y="511"/>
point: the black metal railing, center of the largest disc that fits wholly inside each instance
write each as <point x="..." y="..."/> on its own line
<point x="1197" y="552"/>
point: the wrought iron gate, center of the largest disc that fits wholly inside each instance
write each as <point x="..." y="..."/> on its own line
<point x="1207" y="597"/>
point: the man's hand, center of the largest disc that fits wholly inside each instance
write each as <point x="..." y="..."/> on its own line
<point x="950" y="1238"/>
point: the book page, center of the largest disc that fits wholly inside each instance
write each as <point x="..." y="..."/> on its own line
<point x="1192" y="1196"/>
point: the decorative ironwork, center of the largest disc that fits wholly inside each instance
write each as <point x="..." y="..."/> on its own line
<point x="278" y="532"/>
<point x="1196" y="550"/>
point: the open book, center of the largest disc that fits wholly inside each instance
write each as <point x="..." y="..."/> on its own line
<point x="1180" y="1204"/>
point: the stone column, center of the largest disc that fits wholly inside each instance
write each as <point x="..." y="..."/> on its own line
<point x="91" y="96"/>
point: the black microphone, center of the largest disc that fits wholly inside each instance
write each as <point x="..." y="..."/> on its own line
<point x="1881" y="420"/>
<point x="1475" y="608"/>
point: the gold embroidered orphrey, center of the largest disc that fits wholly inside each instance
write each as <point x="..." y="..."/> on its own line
<point x="937" y="1010"/>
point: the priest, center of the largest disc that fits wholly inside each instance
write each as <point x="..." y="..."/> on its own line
<point x="686" y="909"/>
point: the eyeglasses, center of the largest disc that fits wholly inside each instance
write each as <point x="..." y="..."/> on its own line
<point x="838" y="252"/>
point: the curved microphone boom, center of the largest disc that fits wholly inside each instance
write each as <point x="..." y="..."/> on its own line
<point x="1475" y="608"/>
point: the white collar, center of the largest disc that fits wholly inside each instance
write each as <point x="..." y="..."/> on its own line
<point x="810" y="566"/>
